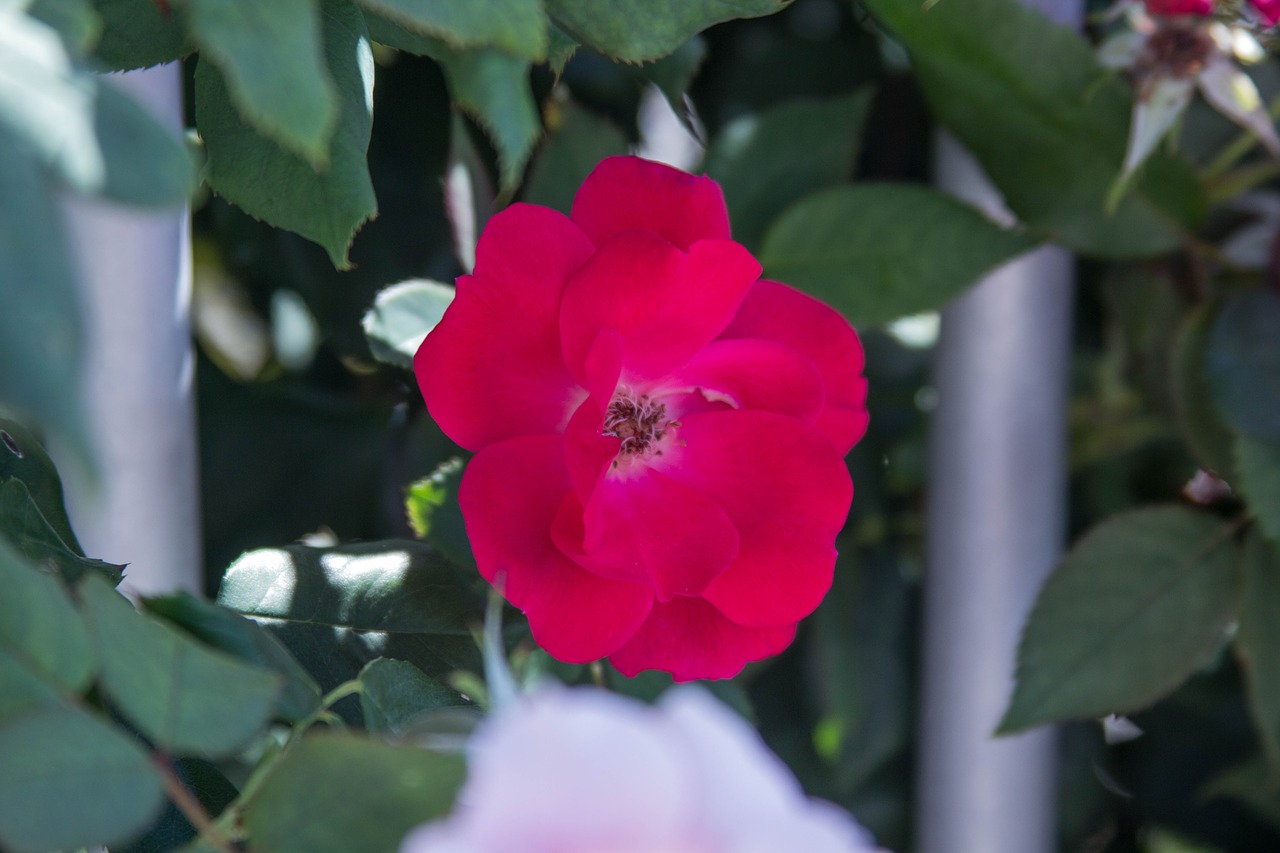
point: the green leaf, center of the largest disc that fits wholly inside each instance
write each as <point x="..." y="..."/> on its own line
<point x="393" y="693"/>
<point x="336" y="793"/>
<point x="95" y="139"/>
<point x="425" y="496"/>
<point x="41" y="344"/>
<point x="44" y="647"/>
<point x="146" y="164"/>
<point x="185" y="697"/>
<point x="578" y="140"/>
<point x="22" y="457"/>
<point x="280" y="187"/>
<point x="70" y="780"/>
<point x="338" y="608"/>
<point x="1138" y="604"/>
<point x="877" y="252"/>
<point x="1244" y="363"/>
<point x="1258" y="641"/>
<point x="246" y="640"/>
<point x="517" y="27"/>
<point x="272" y="57"/>
<point x="1250" y="782"/>
<point x="401" y="317"/>
<point x="1209" y="438"/>
<point x="638" y="30"/>
<point x="1048" y="124"/>
<point x="1259" y="480"/>
<point x="754" y="158"/>
<point x="74" y="20"/>
<point x="23" y="525"/>
<point x="490" y="86"/>
<point x="137" y="34"/>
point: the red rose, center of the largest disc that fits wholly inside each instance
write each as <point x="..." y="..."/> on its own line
<point x="1169" y="8"/>
<point x="659" y="434"/>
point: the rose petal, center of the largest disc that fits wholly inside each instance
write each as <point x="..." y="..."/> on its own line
<point x="690" y="639"/>
<point x="587" y="452"/>
<point x="752" y="373"/>
<point x="664" y="303"/>
<point x="787" y="492"/>
<point x="510" y="495"/>
<point x="681" y="537"/>
<point x="492" y="369"/>
<point x="622" y="193"/>
<point x="776" y="312"/>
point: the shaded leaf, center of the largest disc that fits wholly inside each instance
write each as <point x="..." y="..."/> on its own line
<point x="754" y="158"/>
<point x="1138" y="604"/>
<point x="1250" y="783"/>
<point x="393" y="693"/>
<point x="272" y="57"/>
<point x="517" y="27"/>
<point x="1209" y="438"/>
<point x="280" y="187"/>
<point x="638" y="30"/>
<point x="137" y="34"/>
<point x="22" y="457"/>
<point x="246" y="640"/>
<point x="70" y="780"/>
<point x="23" y="525"/>
<point x="1258" y="642"/>
<point x="490" y="86"/>
<point x="187" y="698"/>
<point x="1243" y="361"/>
<point x="578" y="140"/>
<point x="673" y="75"/>
<point x="401" y="317"/>
<point x="74" y="20"/>
<point x="1029" y="99"/>
<point x="95" y="139"/>
<point x="877" y="252"/>
<point x="1259" y="481"/>
<point x="40" y="345"/>
<point x="44" y="647"/>
<point x="373" y="793"/>
<point x="338" y="608"/>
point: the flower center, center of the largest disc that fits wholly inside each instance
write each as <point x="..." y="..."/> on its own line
<point x="639" y="422"/>
<point x="1177" y="50"/>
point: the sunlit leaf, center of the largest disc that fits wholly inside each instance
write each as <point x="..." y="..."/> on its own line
<point x="401" y="317"/>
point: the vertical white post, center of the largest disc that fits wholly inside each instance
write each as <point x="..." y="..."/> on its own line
<point x="135" y="276"/>
<point x="996" y="522"/>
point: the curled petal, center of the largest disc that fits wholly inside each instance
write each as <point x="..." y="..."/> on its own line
<point x="690" y="638"/>
<point x="787" y="493"/>
<point x="510" y="495"/>
<point x="751" y="373"/>
<point x="776" y="312"/>
<point x="623" y="193"/>
<point x="665" y="304"/>
<point x="492" y="369"/>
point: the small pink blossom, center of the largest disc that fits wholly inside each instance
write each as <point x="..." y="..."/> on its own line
<point x="1268" y="11"/>
<point x="584" y="771"/>
<point x="659" y="433"/>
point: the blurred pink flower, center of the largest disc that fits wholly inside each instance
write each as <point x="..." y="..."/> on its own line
<point x="1180" y="7"/>
<point x="585" y="771"/>
<point x="658" y="432"/>
<point x="1268" y="10"/>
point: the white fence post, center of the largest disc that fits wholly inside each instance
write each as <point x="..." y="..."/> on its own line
<point x="138" y="374"/>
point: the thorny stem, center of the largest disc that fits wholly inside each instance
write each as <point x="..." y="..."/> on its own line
<point x="186" y="802"/>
